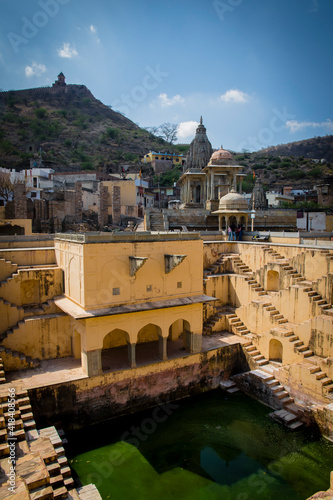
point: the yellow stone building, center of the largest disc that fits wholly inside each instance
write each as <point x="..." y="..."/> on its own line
<point x="154" y="155"/>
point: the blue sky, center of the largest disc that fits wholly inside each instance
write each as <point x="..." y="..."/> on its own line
<point x="258" y="71"/>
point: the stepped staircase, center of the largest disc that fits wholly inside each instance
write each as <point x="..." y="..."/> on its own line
<point x="237" y="327"/>
<point x="215" y="268"/>
<point x="13" y="358"/>
<point x="212" y="320"/>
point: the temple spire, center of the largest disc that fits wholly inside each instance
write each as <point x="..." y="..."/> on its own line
<point x="200" y="120"/>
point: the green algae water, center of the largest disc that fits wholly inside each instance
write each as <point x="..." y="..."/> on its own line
<point x="213" y="446"/>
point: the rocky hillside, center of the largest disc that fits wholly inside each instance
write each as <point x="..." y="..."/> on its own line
<point x="279" y="171"/>
<point x="316" y="148"/>
<point x="73" y="129"/>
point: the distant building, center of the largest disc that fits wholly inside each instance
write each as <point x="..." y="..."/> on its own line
<point x="172" y="157"/>
<point x="61" y="81"/>
<point x="325" y="192"/>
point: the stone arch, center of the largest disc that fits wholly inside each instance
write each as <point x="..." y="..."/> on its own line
<point x="273" y="281"/>
<point x="275" y="350"/>
<point x="178" y="330"/>
<point x="149" y="333"/>
<point x="115" y="346"/>
<point x="147" y="344"/>
<point x="76" y="344"/>
<point x="232" y="219"/>
<point x="115" y="338"/>
<point x="197" y="192"/>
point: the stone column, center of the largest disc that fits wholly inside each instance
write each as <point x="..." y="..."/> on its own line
<point x="220" y="222"/>
<point x="116" y="205"/>
<point x="103" y="195"/>
<point x="131" y="355"/>
<point x="92" y="362"/>
<point x="162" y="348"/>
<point x="20" y="201"/>
<point x="234" y="181"/>
<point x="193" y="342"/>
<point x="212" y="194"/>
<point x="78" y="202"/>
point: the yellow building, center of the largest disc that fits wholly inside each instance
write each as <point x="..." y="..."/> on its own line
<point x="153" y="155"/>
<point x="132" y="289"/>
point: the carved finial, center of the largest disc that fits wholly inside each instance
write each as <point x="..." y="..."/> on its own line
<point x="221" y="146"/>
<point x="200" y="120"/>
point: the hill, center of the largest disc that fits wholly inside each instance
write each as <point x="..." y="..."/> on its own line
<point x="73" y="129"/>
<point x="315" y="148"/>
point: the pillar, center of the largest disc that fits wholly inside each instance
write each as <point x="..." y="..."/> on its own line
<point x="234" y="181"/>
<point x="212" y="186"/>
<point x="220" y="222"/>
<point x="131" y="355"/>
<point x="92" y="362"/>
<point x="207" y="187"/>
<point x="193" y="342"/>
<point x="162" y="348"/>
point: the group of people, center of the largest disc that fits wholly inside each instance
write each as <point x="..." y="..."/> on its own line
<point x="235" y="234"/>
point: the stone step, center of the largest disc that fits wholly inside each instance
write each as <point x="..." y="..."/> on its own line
<point x="325" y="381"/>
<point x="4" y="449"/>
<point x="254" y="353"/>
<point x="295" y="425"/>
<point x="286" y="401"/>
<point x="307" y="354"/>
<point x="60" y="493"/>
<point x="258" y="357"/>
<point x="319" y="375"/>
<point x="232" y="390"/>
<point x="68" y="482"/>
<point x="42" y="493"/>
<point x="273" y="383"/>
<point x="281" y="394"/>
<point x="297" y="343"/>
<point x="262" y="362"/>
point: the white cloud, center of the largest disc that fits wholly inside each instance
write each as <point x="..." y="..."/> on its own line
<point x="295" y="126"/>
<point x="234" y="95"/>
<point x="94" y="31"/>
<point x="67" y="51"/>
<point x="166" y="101"/>
<point x="35" y="70"/>
<point x="186" y="129"/>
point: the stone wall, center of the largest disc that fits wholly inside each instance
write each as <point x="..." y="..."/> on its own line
<point x="86" y="401"/>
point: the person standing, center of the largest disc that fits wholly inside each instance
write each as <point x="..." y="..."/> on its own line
<point x="239" y="232"/>
<point x="233" y="231"/>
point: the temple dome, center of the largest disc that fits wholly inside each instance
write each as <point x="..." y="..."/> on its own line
<point x="219" y="157"/>
<point x="233" y="201"/>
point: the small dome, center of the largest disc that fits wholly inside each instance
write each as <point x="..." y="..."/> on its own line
<point x="218" y="157"/>
<point x="233" y="201"/>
